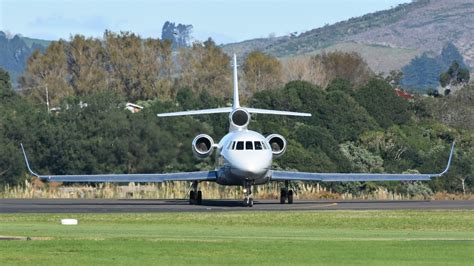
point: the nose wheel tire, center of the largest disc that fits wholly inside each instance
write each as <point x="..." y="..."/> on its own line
<point x="248" y="202"/>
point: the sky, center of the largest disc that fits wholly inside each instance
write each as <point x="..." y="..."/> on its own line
<point x="224" y="21"/>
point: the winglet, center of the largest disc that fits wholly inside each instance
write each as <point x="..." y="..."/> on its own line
<point x="449" y="160"/>
<point x="27" y="163"/>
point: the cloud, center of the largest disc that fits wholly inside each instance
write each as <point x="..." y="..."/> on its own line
<point x="56" y="21"/>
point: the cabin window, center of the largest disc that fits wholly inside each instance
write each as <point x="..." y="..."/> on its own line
<point x="248" y="145"/>
<point x="233" y="145"/>
<point x="240" y="145"/>
<point x="258" y="145"/>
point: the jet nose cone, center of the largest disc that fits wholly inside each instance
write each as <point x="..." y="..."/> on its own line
<point x="251" y="166"/>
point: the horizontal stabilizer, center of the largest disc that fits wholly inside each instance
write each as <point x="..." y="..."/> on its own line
<point x="198" y="112"/>
<point x="229" y="109"/>
<point x="275" y="112"/>
<point x="332" y="177"/>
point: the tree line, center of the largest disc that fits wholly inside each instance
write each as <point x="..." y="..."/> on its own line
<point x="359" y="124"/>
<point x="350" y="131"/>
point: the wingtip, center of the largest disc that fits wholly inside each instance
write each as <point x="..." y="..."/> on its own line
<point x="449" y="160"/>
<point x="27" y="163"/>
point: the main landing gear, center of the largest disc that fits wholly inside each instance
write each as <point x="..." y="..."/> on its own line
<point x="195" y="195"/>
<point x="286" y="194"/>
<point x="248" y="200"/>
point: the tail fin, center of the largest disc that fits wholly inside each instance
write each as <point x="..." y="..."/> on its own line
<point x="236" y="103"/>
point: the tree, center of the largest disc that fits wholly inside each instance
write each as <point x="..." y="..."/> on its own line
<point x="457" y="110"/>
<point x="394" y="78"/>
<point x="422" y="73"/>
<point x="321" y="69"/>
<point x="179" y="35"/>
<point x="302" y="68"/>
<point x="345" y="118"/>
<point x="449" y="54"/>
<point x="361" y="159"/>
<point x="382" y="103"/>
<point x="262" y="72"/>
<point x="5" y="84"/>
<point x="349" y="66"/>
<point x="340" y="84"/>
<point x="140" y="69"/>
<point x="455" y="75"/>
<point x="47" y="72"/>
<point x="136" y="68"/>
<point x="86" y="63"/>
<point x="205" y="67"/>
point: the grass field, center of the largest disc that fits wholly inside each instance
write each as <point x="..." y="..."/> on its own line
<point x="329" y="237"/>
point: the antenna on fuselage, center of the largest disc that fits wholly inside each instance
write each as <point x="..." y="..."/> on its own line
<point x="236" y="103"/>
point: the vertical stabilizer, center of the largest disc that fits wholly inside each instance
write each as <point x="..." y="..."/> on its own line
<point x="236" y="103"/>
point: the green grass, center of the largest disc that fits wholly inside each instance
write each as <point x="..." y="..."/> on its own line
<point x="330" y="237"/>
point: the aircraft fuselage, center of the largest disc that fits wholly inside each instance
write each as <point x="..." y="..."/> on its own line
<point x="243" y="156"/>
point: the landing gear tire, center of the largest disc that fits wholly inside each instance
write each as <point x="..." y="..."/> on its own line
<point x="199" y="198"/>
<point x="195" y="195"/>
<point x="192" y="197"/>
<point x="285" y="194"/>
<point x="290" y="197"/>
<point x="282" y="196"/>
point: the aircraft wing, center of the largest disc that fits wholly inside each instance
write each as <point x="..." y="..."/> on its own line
<point x="144" y="178"/>
<point x="330" y="177"/>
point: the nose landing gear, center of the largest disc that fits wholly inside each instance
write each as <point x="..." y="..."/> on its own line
<point x="286" y="194"/>
<point x="195" y="195"/>
<point x="248" y="200"/>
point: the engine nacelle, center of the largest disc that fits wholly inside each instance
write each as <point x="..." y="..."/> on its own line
<point x="203" y="145"/>
<point x="277" y="144"/>
<point x="239" y="119"/>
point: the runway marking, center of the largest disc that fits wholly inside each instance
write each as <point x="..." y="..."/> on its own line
<point x="24" y="238"/>
<point x="205" y="238"/>
<point x="313" y="206"/>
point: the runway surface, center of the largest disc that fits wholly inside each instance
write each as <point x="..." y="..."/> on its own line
<point x="130" y="205"/>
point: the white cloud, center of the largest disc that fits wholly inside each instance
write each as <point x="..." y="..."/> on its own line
<point x="57" y="21"/>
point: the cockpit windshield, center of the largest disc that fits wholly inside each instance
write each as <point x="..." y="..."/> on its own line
<point x="247" y="145"/>
<point x="240" y="145"/>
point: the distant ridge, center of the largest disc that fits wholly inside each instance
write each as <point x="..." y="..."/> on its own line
<point x="413" y="28"/>
<point x="15" y="51"/>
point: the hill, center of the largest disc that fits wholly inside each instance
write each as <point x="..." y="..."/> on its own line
<point x="410" y="29"/>
<point x="15" y="50"/>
